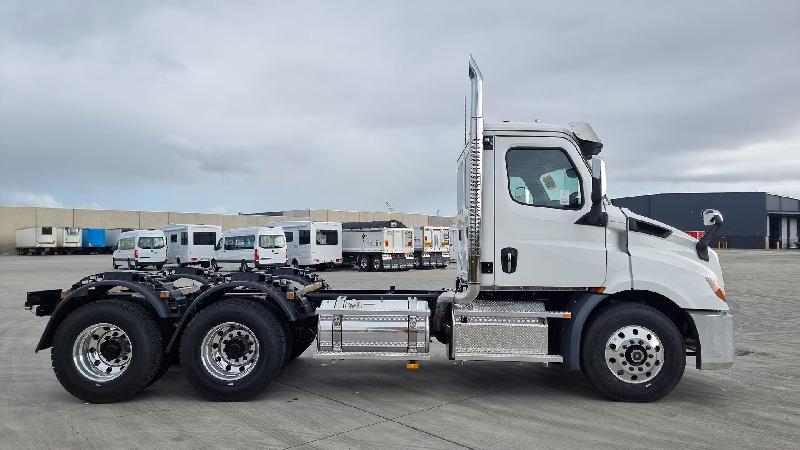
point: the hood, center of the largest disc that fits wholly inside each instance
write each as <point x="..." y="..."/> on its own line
<point x="668" y="238"/>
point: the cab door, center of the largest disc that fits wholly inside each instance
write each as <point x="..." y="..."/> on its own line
<point x="542" y="188"/>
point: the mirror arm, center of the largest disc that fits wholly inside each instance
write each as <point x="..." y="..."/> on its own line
<point x="702" y="244"/>
<point x="596" y="216"/>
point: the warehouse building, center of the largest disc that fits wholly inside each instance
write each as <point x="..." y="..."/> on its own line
<point x="752" y="219"/>
<point x="13" y="218"/>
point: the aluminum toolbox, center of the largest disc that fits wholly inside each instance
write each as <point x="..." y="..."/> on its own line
<point x="501" y="330"/>
<point x="373" y="329"/>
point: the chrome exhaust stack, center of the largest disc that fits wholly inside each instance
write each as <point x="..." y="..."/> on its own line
<point x="475" y="159"/>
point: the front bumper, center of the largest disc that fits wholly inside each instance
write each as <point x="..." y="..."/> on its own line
<point x="715" y="338"/>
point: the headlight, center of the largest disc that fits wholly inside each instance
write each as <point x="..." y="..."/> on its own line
<point x="712" y="283"/>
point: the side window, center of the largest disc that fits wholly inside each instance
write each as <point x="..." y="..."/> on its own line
<point x="184" y="238"/>
<point x="230" y="243"/>
<point x="304" y="237"/>
<point x="289" y="236"/>
<point x="543" y="177"/>
<point x="173" y="238"/>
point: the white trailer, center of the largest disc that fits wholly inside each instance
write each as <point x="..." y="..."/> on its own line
<point x="35" y="240"/>
<point x="431" y="247"/>
<point x="312" y="244"/>
<point x="68" y="239"/>
<point x="189" y="244"/>
<point x="378" y="245"/>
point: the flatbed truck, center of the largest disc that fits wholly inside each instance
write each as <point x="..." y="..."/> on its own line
<point x="549" y="271"/>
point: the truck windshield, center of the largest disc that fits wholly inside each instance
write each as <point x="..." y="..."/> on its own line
<point x="204" y="237"/>
<point x="272" y="241"/>
<point x="327" y="237"/>
<point x="151" y="242"/>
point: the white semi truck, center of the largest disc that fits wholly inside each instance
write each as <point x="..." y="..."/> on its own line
<point x="378" y="245"/>
<point x="549" y="271"/>
<point x="431" y="246"/>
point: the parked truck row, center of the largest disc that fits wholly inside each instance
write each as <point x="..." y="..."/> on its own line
<point x="548" y="271"/>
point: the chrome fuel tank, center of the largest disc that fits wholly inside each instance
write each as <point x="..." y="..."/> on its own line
<point x="373" y="329"/>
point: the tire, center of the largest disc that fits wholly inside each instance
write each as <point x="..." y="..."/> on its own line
<point x="263" y="338"/>
<point x="75" y="373"/>
<point x="364" y="263"/>
<point x="652" y="357"/>
<point x="114" y="265"/>
<point x="295" y="264"/>
<point x="375" y="264"/>
<point x="303" y="336"/>
<point x="214" y="265"/>
<point x="131" y="265"/>
<point x="159" y="266"/>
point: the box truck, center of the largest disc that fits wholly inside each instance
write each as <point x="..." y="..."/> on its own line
<point x="191" y="244"/>
<point x="378" y="245"/>
<point x="312" y="244"/>
<point x="550" y="271"/>
<point x="431" y="247"/>
<point x="36" y="240"/>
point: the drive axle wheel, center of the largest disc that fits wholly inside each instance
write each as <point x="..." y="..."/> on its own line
<point x="376" y="263"/>
<point x="107" y="351"/>
<point x="233" y="349"/>
<point x="363" y="263"/>
<point x="633" y="352"/>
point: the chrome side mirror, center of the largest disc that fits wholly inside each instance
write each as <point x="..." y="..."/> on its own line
<point x="599" y="183"/>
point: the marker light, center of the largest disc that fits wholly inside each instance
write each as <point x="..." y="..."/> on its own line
<point x="712" y="283"/>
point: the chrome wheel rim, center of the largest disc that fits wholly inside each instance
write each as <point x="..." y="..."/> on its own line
<point x="230" y="351"/>
<point x="634" y="354"/>
<point x="102" y="352"/>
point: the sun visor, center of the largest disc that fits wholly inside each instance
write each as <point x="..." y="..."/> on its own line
<point x="587" y="138"/>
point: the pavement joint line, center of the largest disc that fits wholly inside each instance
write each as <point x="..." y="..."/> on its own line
<point x="385" y="419"/>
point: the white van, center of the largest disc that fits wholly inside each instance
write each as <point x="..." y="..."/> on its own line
<point x="140" y="248"/>
<point x="254" y="246"/>
<point x="191" y="244"/>
<point x="312" y="244"/>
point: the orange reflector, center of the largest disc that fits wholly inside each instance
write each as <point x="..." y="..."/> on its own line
<point x="412" y="365"/>
<point x="567" y="315"/>
<point x="597" y="290"/>
<point x="385" y="243"/>
<point x="290" y="296"/>
<point x="64" y="294"/>
<point x="163" y="294"/>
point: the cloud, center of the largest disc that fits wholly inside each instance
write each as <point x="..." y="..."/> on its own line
<point x="179" y="106"/>
<point x="14" y="198"/>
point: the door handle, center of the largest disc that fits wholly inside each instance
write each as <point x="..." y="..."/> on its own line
<point x="508" y="259"/>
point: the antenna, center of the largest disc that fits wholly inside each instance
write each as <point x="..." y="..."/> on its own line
<point x="389" y="206"/>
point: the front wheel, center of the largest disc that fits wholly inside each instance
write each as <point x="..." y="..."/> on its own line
<point x="214" y="265"/>
<point x="107" y="351"/>
<point x="233" y="349"/>
<point x="633" y="353"/>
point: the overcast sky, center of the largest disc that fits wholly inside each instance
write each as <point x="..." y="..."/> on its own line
<point x="256" y="106"/>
